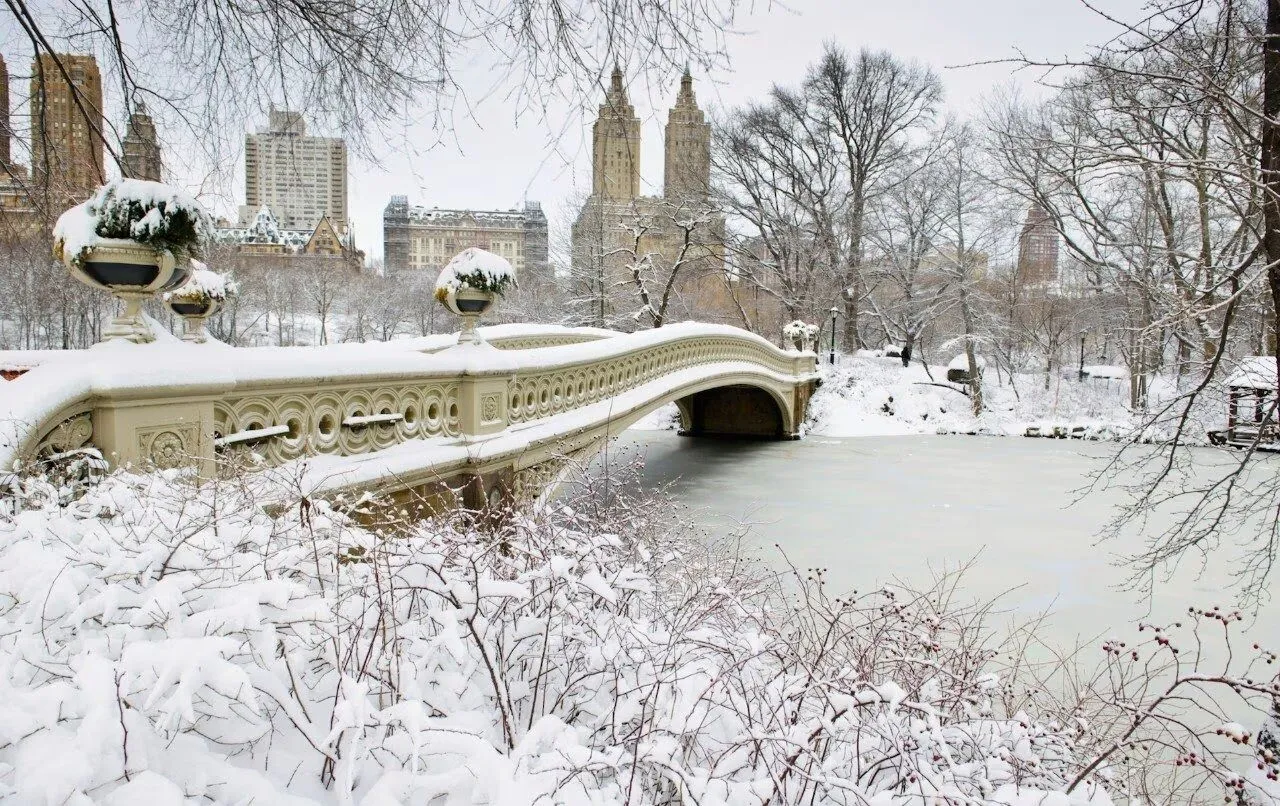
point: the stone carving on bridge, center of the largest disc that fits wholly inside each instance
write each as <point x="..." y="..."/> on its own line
<point x="169" y="446"/>
<point x="281" y="413"/>
<point x="344" y="423"/>
<point x="73" y="433"/>
<point x="491" y="409"/>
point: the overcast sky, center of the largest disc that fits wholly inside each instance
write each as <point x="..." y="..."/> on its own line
<point x="496" y="162"/>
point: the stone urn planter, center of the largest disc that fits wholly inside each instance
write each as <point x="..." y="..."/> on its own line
<point x="194" y="315"/>
<point x="132" y="273"/>
<point x="470" y="284"/>
<point x="799" y="336"/>
<point x="134" y="239"/>
<point x="201" y="298"/>
<point x="469" y="304"/>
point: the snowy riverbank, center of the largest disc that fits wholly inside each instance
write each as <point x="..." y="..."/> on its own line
<point x="869" y="396"/>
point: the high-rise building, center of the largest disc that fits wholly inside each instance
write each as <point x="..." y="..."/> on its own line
<point x="425" y="239"/>
<point x="1038" y="246"/>
<point x="6" y="131"/>
<point x="615" y="145"/>
<point x="680" y="226"/>
<point x="141" y="147"/>
<point x="66" y="127"/>
<point x="300" y="178"/>
<point x="688" y="146"/>
<point x="19" y="218"/>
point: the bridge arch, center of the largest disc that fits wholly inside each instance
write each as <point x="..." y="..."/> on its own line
<point x="737" y="410"/>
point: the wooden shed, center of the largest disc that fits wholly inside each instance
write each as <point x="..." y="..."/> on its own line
<point x="1251" y="406"/>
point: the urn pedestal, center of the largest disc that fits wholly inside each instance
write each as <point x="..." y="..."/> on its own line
<point x="194" y="314"/>
<point x="470" y="305"/>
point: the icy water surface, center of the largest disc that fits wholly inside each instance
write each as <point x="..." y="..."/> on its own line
<point x="874" y="509"/>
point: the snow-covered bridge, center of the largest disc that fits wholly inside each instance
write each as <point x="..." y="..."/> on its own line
<point x="400" y="415"/>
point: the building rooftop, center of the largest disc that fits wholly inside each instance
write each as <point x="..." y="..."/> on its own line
<point x="419" y="214"/>
<point x="266" y="230"/>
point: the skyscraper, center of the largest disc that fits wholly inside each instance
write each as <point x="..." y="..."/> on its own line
<point x="66" y="127"/>
<point x="688" y="147"/>
<point x="1038" y="246"/>
<point x="615" y="146"/>
<point x="300" y="178"/>
<point x="141" y="148"/>
<point x="6" y="131"/>
<point x="605" y="247"/>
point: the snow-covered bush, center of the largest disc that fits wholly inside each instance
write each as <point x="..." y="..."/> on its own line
<point x="137" y="210"/>
<point x="476" y="269"/>
<point x="164" y="641"/>
<point x="203" y="287"/>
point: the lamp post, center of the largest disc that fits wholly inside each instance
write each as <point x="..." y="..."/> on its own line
<point x="834" y="311"/>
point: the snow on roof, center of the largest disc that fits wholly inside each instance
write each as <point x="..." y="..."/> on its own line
<point x="1105" y="371"/>
<point x="265" y="229"/>
<point x="962" y="362"/>
<point x="1254" y="372"/>
<point x="489" y="218"/>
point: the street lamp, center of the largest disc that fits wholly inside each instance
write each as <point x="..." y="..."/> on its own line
<point x="834" y="311"/>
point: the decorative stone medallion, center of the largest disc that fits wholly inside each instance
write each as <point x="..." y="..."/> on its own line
<point x="168" y="446"/>
<point x="490" y="408"/>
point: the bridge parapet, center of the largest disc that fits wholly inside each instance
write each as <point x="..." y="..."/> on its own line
<point x="164" y="405"/>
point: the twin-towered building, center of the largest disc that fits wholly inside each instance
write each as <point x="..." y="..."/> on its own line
<point x="620" y="233"/>
<point x="615" y="147"/>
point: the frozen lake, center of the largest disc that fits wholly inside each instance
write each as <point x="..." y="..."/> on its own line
<point x="875" y="509"/>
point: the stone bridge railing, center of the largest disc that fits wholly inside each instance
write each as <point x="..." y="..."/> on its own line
<point x="166" y="404"/>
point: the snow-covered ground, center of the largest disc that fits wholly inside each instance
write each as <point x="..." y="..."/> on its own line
<point x="663" y="418"/>
<point x="869" y="396"/>
<point x="167" y="644"/>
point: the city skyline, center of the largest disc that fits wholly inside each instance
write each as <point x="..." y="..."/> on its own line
<point x="517" y="160"/>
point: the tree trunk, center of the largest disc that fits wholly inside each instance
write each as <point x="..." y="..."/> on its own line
<point x="850" y="338"/>
<point x="1271" y="155"/>
<point x="975" y="371"/>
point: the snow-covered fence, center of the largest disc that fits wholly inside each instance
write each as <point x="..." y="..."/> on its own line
<point x="168" y="404"/>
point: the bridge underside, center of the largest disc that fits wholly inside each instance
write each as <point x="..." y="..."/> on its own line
<point x="733" y="412"/>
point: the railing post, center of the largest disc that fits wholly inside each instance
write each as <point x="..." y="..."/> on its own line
<point x="159" y="436"/>
<point x="482" y="404"/>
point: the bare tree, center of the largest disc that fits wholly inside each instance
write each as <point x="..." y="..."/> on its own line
<point x="910" y="287"/>
<point x="357" y="67"/>
<point x="779" y="178"/>
<point x="640" y="264"/>
<point x="872" y="106"/>
<point x="1157" y="160"/>
<point x="970" y="229"/>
